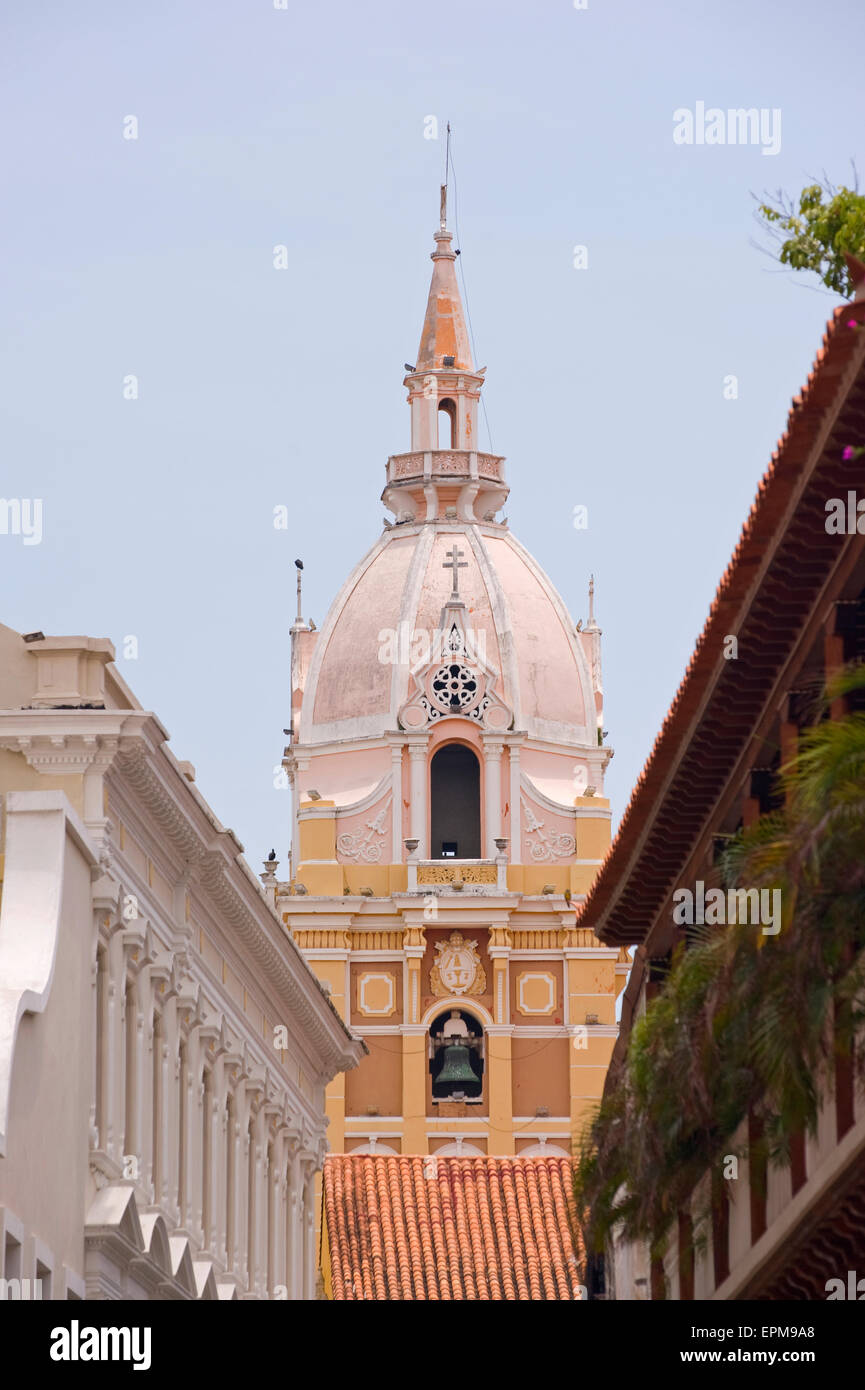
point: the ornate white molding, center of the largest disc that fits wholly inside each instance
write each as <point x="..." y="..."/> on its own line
<point x="135" y="766"/>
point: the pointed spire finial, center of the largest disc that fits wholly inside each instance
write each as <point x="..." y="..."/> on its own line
<point x="591" y="625"/>
<point x="444" y="334"/>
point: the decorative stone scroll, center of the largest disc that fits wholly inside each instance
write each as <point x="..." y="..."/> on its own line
<point x="364" y="848"/>
<point x="549" y="844"/>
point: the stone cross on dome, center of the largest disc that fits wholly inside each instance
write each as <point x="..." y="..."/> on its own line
<point x="453" y="562"/>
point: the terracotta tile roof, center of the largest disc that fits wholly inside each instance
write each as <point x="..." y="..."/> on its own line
<point x="773" y="580"/>
<point x="405" y="1228"/>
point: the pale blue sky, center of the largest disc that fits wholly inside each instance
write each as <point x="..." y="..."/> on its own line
<point x="257" y="387"/>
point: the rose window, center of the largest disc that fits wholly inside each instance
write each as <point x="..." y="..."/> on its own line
<point x="454" y="687"/>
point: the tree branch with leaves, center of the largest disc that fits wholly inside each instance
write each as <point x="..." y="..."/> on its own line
<point x="815" y="232"/>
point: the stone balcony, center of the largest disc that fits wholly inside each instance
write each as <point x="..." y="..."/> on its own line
<point x="457" y="875"/>
<point x="444" y="463"/>
<point x="444" y="484"/>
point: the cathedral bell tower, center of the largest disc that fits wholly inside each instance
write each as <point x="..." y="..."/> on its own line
<point x="447" y="762"/>
<point x="444" y="393"/>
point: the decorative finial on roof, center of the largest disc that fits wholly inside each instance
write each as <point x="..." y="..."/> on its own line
<point x="591" y="625"/>
<point x="299" y="566"/>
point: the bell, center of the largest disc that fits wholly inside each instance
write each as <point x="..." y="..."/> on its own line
<point x="456" y="1073"/>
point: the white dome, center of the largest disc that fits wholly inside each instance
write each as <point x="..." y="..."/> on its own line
<point x="386" y="617"/>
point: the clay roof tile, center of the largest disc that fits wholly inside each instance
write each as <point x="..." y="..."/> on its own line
<point x="406" y="1227"/>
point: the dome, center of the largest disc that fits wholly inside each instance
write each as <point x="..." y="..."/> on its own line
<point x="390" y="621"/>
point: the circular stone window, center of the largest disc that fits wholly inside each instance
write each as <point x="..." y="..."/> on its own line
<point x="455" y="687"/>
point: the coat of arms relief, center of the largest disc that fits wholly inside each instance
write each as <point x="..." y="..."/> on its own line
<point x="458" y="968"/>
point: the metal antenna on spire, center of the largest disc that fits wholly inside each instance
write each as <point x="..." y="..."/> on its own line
<point x="591" y="600"/>
<point x="299" y="564"/>
<point x="443" y="209"/>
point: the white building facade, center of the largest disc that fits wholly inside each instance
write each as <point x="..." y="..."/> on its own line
<point x="164" y="1047"/>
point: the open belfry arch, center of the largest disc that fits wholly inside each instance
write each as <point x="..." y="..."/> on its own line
<point x="446" y="760"/>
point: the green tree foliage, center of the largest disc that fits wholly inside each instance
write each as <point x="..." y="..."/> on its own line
<point x="745" y="1021"/>
<point x="814" y="235"/>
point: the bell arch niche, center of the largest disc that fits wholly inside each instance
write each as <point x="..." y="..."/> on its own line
<point x="456" y="1057"/>
<point x="447" y="424"/>
<point x="455" y="803"/>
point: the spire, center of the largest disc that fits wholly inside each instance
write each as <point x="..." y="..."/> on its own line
<point x="445" y="476"/>
<point x="444" y="328"/>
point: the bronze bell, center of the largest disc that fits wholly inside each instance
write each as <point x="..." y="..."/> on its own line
<point x="456" y="1073"/>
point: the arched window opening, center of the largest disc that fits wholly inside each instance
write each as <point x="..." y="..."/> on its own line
<point x="456" y="1053"/>
<point x="375" y="1146"/>
<point x="459" y="1149"/>
<point x="447" y="424"/>
<point x="455" y="802"/>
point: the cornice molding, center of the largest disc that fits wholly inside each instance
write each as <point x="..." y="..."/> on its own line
<point x="133" y="742"/>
